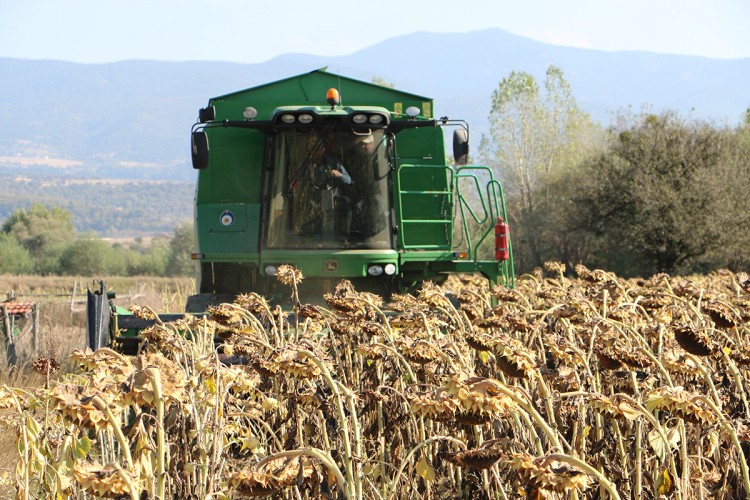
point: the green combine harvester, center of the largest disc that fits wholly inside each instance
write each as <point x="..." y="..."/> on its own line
<point x="342" y="179"/>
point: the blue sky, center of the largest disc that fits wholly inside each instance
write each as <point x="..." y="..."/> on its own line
<point x="97" y="31"/>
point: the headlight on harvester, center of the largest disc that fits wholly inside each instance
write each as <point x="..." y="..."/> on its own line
<point x="288" y="118"/>
<point x="250" y="113"/>
<point x="359" y="119"/>
<point x="375" y="270"/>
<point x="270" y="270"/>
<point x="413" y="111"/>
<point x="305" y="118"/>
<point x="390" y="269"/>
<point x="375" y="119"/>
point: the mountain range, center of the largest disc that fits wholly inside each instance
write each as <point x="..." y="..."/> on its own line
<point x="131" y="119"/>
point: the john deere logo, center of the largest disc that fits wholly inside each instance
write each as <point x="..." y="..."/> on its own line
<point x="331" y="266"/>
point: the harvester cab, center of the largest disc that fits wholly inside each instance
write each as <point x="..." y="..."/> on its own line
<point x="342" y="179"/>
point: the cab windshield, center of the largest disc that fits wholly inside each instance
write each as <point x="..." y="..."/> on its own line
<point x="329" y="190"/>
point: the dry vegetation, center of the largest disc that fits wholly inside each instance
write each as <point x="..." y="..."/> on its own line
<point x="61" y="330"/>
<point x="562" y="388"/>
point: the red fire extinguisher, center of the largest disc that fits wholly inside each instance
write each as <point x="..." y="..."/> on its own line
<point x="502" y="231"/>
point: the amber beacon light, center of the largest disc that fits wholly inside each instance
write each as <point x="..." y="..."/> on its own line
<point x="332" y="96"/>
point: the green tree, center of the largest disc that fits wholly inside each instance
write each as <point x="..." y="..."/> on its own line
<point x="665" y="195"/>
<point x="43" y="231"/>
<point x="151" y="260"/>
<point x="92" y="257"/>
<point x="14" y="258"/>
<point x="734" y="253"/>
<point x="377" y="80"/>
<point x="179" y="262"/>
<point x="537" y="134"/>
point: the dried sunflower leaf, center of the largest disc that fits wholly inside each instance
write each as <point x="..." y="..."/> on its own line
<point x="425" y="470"/>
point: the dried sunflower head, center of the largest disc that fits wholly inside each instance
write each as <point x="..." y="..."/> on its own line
<point x="595" y="276"/>
<point x="505" y="294"/>
<point x="693" y="340"/>
<point x="253" y="302"/>
<point x="345" y="299"/>
<point x="654" y="300"/>
<point x="46" y="365"/>
<point x="563" y="351"/>
<point x="345" y="327"/>
<point x="563" y="378"/>
<point x="374" y="350"/>
<point x="680" y="403"/>
<point x="678" y="362"/>
<point x="107" y="367"/>
<point x="432" y="295"/>
<point x="740" y="355"/>
<point x="477" y="459"/>
<point x="108" y="481"/>
<point x="8" y="398"/>
<point x="473" y="311"/>
<point x="513" y="358"/>
<point x="139" y="389"/>
<point x="404" y="302"/>
<point x="519" y="323"/>
<point x="606" y="358"/>
<point x="554" y="267"/>
<point x="438" y="404"/>
<point x="495" y="320"/>
<point x="167" y="337"/>
<point x="310" y="311"/>
<point x="616" y="406"/>
<point x="225" y="314"/>
<point x="479" y="340"/>
<point x="417" y="350"/>
<point x="409" y="319"/>
<point x="289" y="275"/>
<point x="481" y="399"/>
<point x="270" y="477"/>
<point x="292" y="360"/>
<point x="102" y="359"/>
<point x="722" y="315"/>
<point x="545" y="475"/>
<point x="634" y="357"/>
<point x="143" y="312"/>
<point x="77" y="404"/>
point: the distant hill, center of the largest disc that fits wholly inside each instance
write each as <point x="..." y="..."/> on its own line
<point x="115" y="118"/>
<point x="108" y="207"/>
<point x="131" y="119"/>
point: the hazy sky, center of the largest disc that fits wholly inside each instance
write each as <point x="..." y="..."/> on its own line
<point x="95" y="31"/>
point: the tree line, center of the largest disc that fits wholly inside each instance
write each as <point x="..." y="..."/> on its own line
<point x="650" y="193"/>
<point x="109" y="207"/>
<point x="43" y="240"/>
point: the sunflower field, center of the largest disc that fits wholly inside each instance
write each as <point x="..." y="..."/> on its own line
<point x="567" y="386"/>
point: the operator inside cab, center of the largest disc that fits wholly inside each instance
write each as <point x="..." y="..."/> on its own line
<point x="329" y="189"/>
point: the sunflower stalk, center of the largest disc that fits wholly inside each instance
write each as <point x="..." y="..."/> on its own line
<point x="729" y="428"/>
<point x="100" y="405"/>
<point x="161" y="447"/>
<point x="351" y="482"/>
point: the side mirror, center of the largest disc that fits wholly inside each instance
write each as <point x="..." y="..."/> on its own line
<point x="199" y="149"/>
<point x="207" y="114"/>
<point x="461" y="146"/>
